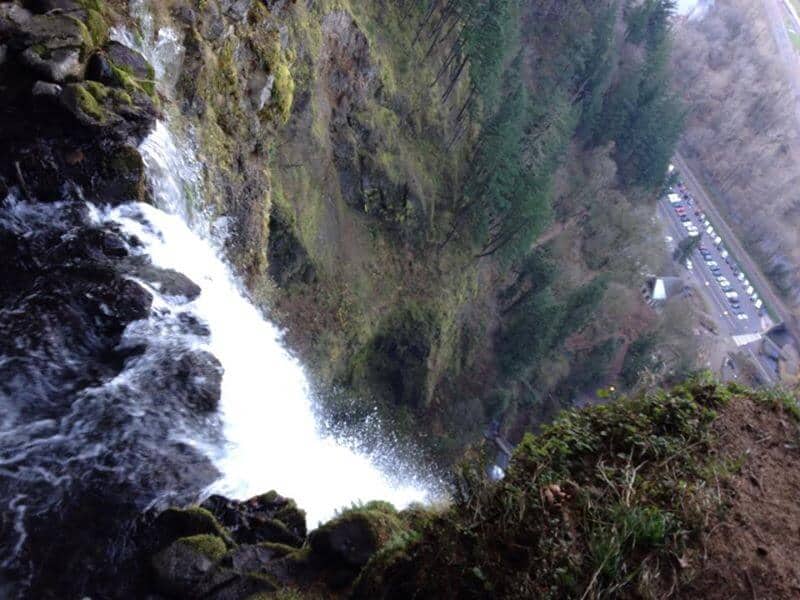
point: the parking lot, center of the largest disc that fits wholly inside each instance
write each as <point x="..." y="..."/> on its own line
<point x="711" y="264"/>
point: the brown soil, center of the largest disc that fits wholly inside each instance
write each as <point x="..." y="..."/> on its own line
<point x="753" y="549"/>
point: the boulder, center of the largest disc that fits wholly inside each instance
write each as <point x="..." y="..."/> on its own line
<point x="175" y="523"/>
<point x="182" y="565"/>
<point x="266" y="518"/>
<point x="54" y="45"/>
<point x="352" y="538"/>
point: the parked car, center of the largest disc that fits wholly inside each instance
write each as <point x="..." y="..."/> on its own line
<point x="717" y="240"/>
<point x="742" y="317"/>
<point x="710" y="230"/>
<point x="724" y="254"/>
<point x="712" y="263"/>
<point x="740" y="276"/>
<point x="694" y="233"/>
<point x="750" y="291"/>
<point x="758" y="304"/>
<point x="689" y="264"/>
<point x="731" y="295"/>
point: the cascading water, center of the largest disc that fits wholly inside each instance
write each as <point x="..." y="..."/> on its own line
<point x="272" y="436"/>
<point x="109" y="362"/>
<point x="273" y="441"/>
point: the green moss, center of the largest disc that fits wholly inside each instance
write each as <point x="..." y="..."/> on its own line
<point x="777" y="399"/>
<point x="190" y="521"/>
<point x="126" y="80"/>
<point x="208" y="545"/>
<point x="598" y="502"/>
<point x="97" y="27"/>
<point x="88" y="104"/>
<point x="85" y="34"/>
<point x="280" y="550"/>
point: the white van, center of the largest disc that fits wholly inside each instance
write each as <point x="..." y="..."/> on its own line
<point x="674" y="198"/>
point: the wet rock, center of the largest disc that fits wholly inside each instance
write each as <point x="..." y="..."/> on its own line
<point x="129" y="60"/>
<point x="236" y="9"/>
<point x="12" y="18"/>
<point x="54" y="45"/>
<point x="226" y="584"/>
<point x="168" y="282"/>
<point x="288" y="261"/>
<point x="193" y="377"/>
<point x="354" y="537"/>
<point x="181" y="566"/>
<point x="266" y="518"/>
<point x="50" y="90"/>
<point x="59" y="65"/>
<point x="175" y="523"/>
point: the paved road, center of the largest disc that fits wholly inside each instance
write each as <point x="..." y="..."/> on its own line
<point x="707" y="281"/>
<point x="774" y="302"/>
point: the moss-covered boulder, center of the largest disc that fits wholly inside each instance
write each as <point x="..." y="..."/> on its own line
<point x="117" y="65"/>
<point x="269" y="517"/>
<point x="347" y="543"/>
<point x="176" y="523"/>
<point x="180" y="567"/>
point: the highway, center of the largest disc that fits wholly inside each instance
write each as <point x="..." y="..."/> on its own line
<point x="706" y="280"/>
<point x="745" y="330"/>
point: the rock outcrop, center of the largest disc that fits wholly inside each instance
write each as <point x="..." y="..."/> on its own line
<point x="75" y="104"/>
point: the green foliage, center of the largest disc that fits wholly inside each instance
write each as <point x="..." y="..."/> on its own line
<point x="640" y="113"/>
<point x="641" y="356"/>
<point x="395" y="360"/>
<point x="685" y="248"/>
<point x="529" y="333"/>
<point x="581" y="305"/>
<point x="598" y="505"/>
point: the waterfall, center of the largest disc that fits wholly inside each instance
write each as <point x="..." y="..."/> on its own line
<point x="272" y="438"/>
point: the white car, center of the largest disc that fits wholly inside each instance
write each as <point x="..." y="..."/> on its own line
<point x="694" y="233"/>
<point x="710" y="230"/>
<point x="740" y="277"/>
<point x="750" y="291"/>
<point x="724" y="254"/>
<point x="758" y="304"/>
<point x="742" y="317"/>
<point x="689" y="264"/>
<point x="717" y="240"/>
<point x="712" y="263"/>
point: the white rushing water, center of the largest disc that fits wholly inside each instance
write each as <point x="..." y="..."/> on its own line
<point x="272" y="438"/>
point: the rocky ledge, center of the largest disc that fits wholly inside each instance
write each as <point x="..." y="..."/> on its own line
<point x="75" y="104"/>
<point x="226" y="550"/>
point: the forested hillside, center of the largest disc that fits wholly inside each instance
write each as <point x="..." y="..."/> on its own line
<point x="742" y="130"/>
<point x="469" y="185"/>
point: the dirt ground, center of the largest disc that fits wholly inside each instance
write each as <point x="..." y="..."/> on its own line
<point x="753" y="550"/>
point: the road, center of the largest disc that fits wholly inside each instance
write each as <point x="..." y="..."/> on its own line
<point x="773" y="301"/>
<point x="706" y="280"/>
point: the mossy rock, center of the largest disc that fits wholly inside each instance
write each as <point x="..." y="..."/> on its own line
<point x="180" y="567"/>
<point x="175" y="523"/>
<point x="85" y="102"/>
<point x="395" y="362"/>
<point x="352" y="538"/>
